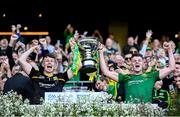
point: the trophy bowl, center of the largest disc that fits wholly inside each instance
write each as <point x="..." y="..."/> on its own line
<point x="88" y="47"/>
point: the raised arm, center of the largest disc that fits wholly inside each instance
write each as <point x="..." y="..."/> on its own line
<point x="44" y="47"/>
<point x="23" y="60"/>
<point x="166" y="71"/>
<point x="13" y="38"/>
<point x="146" y="41"/>
<point x="111" y="74"/>
<point x="6" y="67"/>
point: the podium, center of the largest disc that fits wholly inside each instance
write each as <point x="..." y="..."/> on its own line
<point x="74" y="92"/>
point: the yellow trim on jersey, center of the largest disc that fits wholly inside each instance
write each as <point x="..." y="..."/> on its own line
<point x="35" y="77"/>
<point x="49" y="75"/>
<point x="61" y="79"/>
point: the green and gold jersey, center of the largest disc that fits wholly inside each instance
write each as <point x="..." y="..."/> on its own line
<point x="139" y="87"/>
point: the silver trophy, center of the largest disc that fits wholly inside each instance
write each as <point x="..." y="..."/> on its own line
<point x="88" y="47"/>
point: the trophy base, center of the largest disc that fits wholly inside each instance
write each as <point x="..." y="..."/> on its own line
<point x="88" y="69"/>
<point x="89" y="66"/>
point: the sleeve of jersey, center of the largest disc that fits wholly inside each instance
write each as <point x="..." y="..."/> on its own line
<point x="120" y="77"/>
<point x="63" y="76"/>
<point x="34" y="73"/>
<point x="156" y="75"/>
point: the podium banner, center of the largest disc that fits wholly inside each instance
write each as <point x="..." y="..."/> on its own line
<point x="52" y="97"/>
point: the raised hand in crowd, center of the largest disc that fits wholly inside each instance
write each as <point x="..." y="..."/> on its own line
<point x="167" y="46"/>
<point x="136" y="40"/>
<point x="43" y="42"/>
<point x="18" y="28"/>
<point x="74" y="40"/>
<point x="145" y="43"/>
<point x="13" y="39"/>
<point x="149" y="34"/>
<point x="5" y="67"/>
<point x="13" y="28"/>
<point x="68" y="26"/>
<point x="36" y="48"/>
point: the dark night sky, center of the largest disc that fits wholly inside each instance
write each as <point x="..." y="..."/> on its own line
<point x="90" y="15"/>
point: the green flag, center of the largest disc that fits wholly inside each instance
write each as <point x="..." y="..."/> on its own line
<point x="76" y="60"/>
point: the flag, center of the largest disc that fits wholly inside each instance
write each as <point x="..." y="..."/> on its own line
<point x="76" y="60"/>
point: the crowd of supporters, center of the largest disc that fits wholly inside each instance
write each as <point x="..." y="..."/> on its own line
<point x="142" y="72"/>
